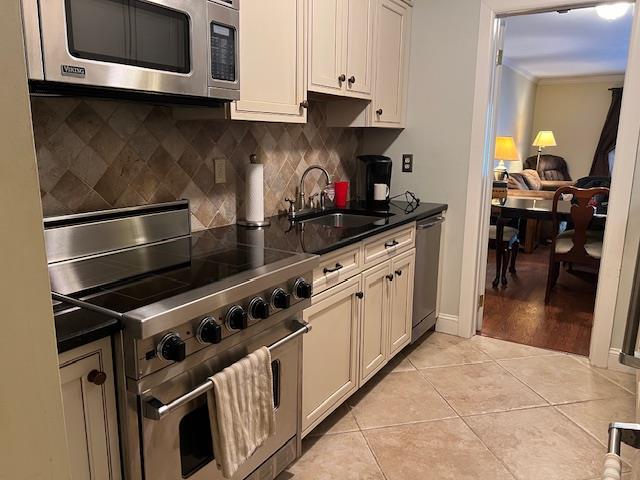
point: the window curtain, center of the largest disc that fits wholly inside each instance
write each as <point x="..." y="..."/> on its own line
<point x="607" y="144"/>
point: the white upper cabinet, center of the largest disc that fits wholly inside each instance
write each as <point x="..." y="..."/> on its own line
<point x="327" y="72"/>
<point x="272" y="62"/>
<point x="360" y="48"/>
<point x="393" y="36"/>
<point x="340" y="36"/>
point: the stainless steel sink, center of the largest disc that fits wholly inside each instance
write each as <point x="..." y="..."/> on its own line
<point x="344" y="220"/>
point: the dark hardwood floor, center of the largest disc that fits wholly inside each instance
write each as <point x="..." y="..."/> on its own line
<point x="517" y="313"/>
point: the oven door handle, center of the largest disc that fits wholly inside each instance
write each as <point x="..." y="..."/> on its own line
<point x="154" y="409"/>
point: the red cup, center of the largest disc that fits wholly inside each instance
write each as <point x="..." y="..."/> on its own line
<point x="342" y="191"/>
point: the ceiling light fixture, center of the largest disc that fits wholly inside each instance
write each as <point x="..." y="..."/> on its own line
<point x="613" y="11"/>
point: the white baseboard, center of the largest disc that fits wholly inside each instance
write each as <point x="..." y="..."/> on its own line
<point x="447" y="324"/>
<point x="614" y="364"/>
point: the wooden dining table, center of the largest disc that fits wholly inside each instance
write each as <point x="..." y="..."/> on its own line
<point x="522" y="208"/>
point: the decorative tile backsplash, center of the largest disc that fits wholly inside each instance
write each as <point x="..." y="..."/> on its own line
<point x="97" y="154"/>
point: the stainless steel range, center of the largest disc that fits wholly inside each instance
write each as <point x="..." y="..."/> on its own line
<point x="190" y="305"/>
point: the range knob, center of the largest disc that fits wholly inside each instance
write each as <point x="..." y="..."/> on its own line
<point x="280" y="299"/>
<point x="237" y="318"/>
<point x="172" y="348"/>
<point x="259" y="309"/>
<point x="209" y="331"/>
<point x="302" y="289"/>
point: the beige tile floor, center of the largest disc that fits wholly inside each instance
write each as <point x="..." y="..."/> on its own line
<point x="449" y="408"/>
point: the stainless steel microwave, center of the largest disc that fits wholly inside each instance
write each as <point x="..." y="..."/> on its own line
<point x="171" y="47"/>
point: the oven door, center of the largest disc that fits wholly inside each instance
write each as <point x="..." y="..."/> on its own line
<point x="180" y="445"/>
<point x="223" y="23"/>
<point x="152" y="45"/>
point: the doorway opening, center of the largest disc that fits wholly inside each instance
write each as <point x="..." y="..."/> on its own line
<point x="557" y="108"/>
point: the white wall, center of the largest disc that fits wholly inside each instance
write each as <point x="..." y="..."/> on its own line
<point x="515" y="112"/>
<point x="441" y="92"/>
<point x="575" y="109"/>
<point x="32" y="439"/>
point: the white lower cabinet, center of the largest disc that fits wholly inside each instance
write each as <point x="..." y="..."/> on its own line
<point x="375" y="319"/>
<point x="330" y="351"/>
<point x="400" y="322"/>
<point x="88" y="397"/>
<point x="357" y="327"/>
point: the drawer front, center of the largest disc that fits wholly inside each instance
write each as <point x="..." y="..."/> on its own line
<point x="389" y="244"/>
<point x="337" y="267"/>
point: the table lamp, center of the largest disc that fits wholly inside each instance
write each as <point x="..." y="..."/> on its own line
<point x="544" y="138"/>
<point x="506" y="151"/>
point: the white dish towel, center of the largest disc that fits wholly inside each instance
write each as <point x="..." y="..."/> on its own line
<point x="241" y="410"/>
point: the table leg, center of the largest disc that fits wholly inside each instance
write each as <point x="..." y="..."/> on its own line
<point x="531" y="238"/>
<point x="499" y="252"/>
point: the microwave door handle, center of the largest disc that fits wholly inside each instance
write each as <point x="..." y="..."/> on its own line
<point x="627" y="355"/>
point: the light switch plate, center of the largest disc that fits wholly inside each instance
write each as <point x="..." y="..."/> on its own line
<point x="407" y="162"/>
<point x="220" y="172"/>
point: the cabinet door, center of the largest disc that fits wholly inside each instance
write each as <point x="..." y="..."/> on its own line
<point x="272" y="62"/>
<point x="393" y="30"/>
<point x="403" y="271"/>
<point x="360" y="48"/>
<point x="326" y="36"/>
<point x="330" y="352"/>
<point x="375" y="314"/>
<point x="90" y="416"/>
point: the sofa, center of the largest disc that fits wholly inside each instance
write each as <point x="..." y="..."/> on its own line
<point x="529" y="184"/>
<point x="551" y="168"/>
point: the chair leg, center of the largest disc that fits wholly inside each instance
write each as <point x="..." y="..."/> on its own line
<point x="499" y="249"/>
<point x="505" y="263"/>
<point x="514" y="255"/>
<point x="556" y="273"/>
<point x="550" y="281"/>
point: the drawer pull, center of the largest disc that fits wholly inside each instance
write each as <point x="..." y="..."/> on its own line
<point x="390" y="277"/>
<point x="391" y="244"/>
<point x="360" y="295"/>
<point x="97" y="377"/>
<point x="399" y="273"/>
<point x="338" y="267"/>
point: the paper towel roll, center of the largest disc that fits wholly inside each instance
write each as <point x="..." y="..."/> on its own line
<point x="254" y="194"/>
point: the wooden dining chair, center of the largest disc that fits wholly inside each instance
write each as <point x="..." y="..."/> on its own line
<point x="580" y="245"/>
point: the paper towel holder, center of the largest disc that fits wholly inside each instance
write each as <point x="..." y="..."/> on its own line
<point x="245" y="223"/>
<point x="253" y="158"/>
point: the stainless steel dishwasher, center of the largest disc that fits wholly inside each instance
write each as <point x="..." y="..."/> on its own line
<point x="425" y="292"/>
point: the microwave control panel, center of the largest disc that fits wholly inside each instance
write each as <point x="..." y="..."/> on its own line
<point x="223" y="52"/>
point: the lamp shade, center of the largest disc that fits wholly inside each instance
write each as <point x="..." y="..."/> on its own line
<point x="545" y="138"/>
<point x="506" y="149"/>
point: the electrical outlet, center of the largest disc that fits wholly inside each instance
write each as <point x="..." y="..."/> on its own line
<point x="407" y="162"/>
<point x="220" y="173"/>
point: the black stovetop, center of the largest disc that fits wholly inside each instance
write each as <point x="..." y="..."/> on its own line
<point x="133" y="278"/>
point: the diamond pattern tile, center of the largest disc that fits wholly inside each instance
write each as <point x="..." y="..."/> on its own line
<point x="97" y="154"/>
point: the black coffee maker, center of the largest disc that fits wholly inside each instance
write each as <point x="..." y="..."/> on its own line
<point x="372" y="170"/>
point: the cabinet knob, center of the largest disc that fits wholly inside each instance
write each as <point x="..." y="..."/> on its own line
<point x="399" y="273"/>
<point x="97" y="377"/>
<point x="352" y="79"/>
<point x="342" y="78"/>
<point x="360" y="295"/>
<point x="304" y="104"/>
<point x="379" y="111"/>
<point x="390" y="277"/>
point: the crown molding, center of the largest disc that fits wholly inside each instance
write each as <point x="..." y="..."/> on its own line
<point x="614" y="78"/>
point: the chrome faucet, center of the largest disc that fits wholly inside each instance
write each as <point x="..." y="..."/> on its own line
<point x="303" y="198"/>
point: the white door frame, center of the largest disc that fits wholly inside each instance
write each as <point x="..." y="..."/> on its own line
<point x="479" y="177"/>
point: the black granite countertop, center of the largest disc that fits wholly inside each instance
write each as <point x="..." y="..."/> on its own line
<point x="320" y="239"/>
<point x="76" y="327"/>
